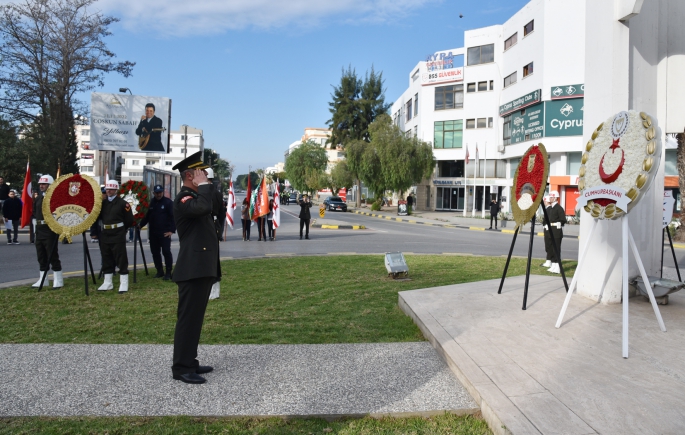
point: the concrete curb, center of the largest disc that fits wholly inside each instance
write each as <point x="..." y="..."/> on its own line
<point x="339" y="227"/>
<point x="471" y="228"/>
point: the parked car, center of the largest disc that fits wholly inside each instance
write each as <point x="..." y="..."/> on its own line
<point x="335" y="203"/>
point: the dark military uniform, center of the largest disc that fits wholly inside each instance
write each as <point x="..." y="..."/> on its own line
<point x="217" y="205"/>
<point x="116" y="217"/>
<point x="160" y="219"/>
<point x="45" y="239"/>
<point x="557" y="218"/>
<point x="197" y="268"/>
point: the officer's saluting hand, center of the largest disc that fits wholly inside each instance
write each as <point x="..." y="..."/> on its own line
<point x="197" y="267"/>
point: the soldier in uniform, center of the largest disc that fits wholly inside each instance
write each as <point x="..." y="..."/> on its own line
<point x="116" y="217"/>
<point x="557" y="219"/>
<point x="160" y="219"/>
<point x="45" y="239"/>
<point x="549" y="250"/>
<point x="197" y="267"/>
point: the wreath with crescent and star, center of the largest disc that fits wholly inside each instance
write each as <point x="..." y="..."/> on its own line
<point x="71" y="205"/>
<point x="619" y="164"/>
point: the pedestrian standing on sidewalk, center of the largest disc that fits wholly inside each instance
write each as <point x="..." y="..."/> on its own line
<point x="494" y="209"/>
<point x="410" y="202"/>
<point x="305" y="215"/>
<point x="270" y="220"/>
<point x="160" y="221"/>
<point x="11" y="211"/>
<point x="46" y="240"/>
<point x="245" y="219"/>
<point x="4" y="192"/>
<point x="549" y="250"/>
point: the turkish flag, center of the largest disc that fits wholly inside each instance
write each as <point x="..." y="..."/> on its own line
<point x="27" y="199"/>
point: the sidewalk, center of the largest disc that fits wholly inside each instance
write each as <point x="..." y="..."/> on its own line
<point x="318" y="380"/>
<point x="456" y="220"/>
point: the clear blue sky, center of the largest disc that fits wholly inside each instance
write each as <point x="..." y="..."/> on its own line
<point x="254" y="73"/>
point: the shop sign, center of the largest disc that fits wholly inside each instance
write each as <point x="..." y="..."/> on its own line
<point x="520" y="103"/>
<point x="529" y="126"/>
<point x="443" y="76"/>
<point x="568" y="91"/>
<point x="669" y="201"/>
<point x="564" y="118"/>
<point x="447" y="182"/>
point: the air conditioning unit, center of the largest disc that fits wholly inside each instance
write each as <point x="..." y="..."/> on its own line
<point x="500" y="148"/>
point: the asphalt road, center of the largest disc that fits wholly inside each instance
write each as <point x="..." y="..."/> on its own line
<point x="18" y="262"/>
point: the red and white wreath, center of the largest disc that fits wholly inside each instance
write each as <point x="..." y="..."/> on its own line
<point x="137" y="195"/>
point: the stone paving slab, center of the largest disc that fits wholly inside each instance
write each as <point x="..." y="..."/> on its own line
<point x="529" y="377"/>
<point x="335" y="380"/>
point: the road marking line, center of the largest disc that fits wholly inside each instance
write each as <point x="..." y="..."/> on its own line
<point x="508" y="231"/>
<point x="477" y="228"/>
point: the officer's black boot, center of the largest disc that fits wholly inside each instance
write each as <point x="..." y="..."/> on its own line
<point x="167" y="277"/>
<point x="160" y="273"/>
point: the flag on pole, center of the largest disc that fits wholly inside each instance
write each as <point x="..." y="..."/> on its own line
<point x="231" y="205"/>
<point x="27" y="199"/>
<point x="259" y="203"/>
<point x="277" y="208"/>
<point x="106" y="176"/>
<point x="467" y="154"/>
<point x="249" y="187"/>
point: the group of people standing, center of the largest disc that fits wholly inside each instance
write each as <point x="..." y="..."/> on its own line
<point x="265" y="225"/>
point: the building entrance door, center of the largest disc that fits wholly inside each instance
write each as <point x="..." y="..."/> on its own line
<point x="449" y="198"/>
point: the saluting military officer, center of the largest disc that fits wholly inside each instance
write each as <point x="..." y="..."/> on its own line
<point x="557" y="219"/>
<point x="46" y="239"/>
<point x="116" y="217"/>
<point x="197" y="267"/>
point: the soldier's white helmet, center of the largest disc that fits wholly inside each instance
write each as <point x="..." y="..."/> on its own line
<point x="46" y="179"/>
<point x="112" y="184"/>
<point x="554" y="194"/>
<point x="210" y="172"/>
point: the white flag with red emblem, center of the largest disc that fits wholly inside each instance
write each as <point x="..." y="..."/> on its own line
<point x="231" y="205"/>
<point x="277" y="208"/>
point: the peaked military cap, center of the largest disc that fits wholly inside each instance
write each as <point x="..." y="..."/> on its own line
<point x="191" y="162"/>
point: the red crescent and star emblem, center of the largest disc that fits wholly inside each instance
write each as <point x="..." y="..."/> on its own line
<point x="610" y="178"/>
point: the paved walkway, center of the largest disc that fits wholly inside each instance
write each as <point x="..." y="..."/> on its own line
<point x="329" y="380"/>
<point x="531" y="378"/>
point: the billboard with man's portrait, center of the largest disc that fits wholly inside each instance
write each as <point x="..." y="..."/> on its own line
<point x="132" y="123"/>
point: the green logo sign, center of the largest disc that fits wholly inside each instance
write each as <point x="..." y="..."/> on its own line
<point x="564" y="118"/>
<point x="529" y="126"/>
<point x="520" y="103"/>
<point x="567" y="91"/>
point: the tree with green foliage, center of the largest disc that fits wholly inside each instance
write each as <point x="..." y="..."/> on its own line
<point x="12" y="155"/>
<point x="355" y="105"/>
<point x="223" y="169"/>
<point x="405" y="161"/>
<point x="241" y="180"/>
<point x="52" y="51"/>
<point x="340" y="177"/>
<point x="305" y="166"/>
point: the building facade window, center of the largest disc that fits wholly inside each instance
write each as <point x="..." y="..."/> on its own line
<point x="671" y="166"/>
<point x="481" y="123"/>
<point x="168" y="163"/>
<point x="573" y="163"/>
<point x="528" y="28"/>
<point x="482" y="86"/>
<point x="416" y="105"/>
<point x="509" y="42"/>
<point x="448" y="134"/>
<point x="409" y="110"/>
<point x="150" y="162"/>
<point x="492" y="85"/>
<point x="135" y="162"/>
<point x="481" y="54"/>
<point x="85" y="132"/>
<point x="528" y="70"/>
<point x="471" y="87"/>
<point x="451" y="168"/>
<point x="470" y="123"/>
<point x="510" y="79"/>
<point x="513" y="166"/>
<point x="449" y="97"/>
<point x="416" y="131"/>
<point x="490" y="122"/>
<point x="506" y="130"/>
<point x="86" y="169"/>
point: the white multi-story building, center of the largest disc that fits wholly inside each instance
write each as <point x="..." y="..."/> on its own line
<point x="133" y="163"/>
<point x="90" y="162"/>
<point x="511" y="86"/>
<point x="319" y="136"/>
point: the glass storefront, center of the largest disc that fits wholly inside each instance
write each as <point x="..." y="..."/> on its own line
<point x="449" y="198"/>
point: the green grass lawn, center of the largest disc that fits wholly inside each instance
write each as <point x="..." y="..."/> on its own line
<point x="292" y="300"/>
<point x="446" y="424"/>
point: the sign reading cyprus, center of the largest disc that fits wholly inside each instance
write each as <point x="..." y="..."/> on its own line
<point x="619" y="164"/>
<point x="132" y="123"/>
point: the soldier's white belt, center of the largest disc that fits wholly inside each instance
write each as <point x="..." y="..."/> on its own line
<point x="556" y="224"/>
<point x="113" y="226"/>
<point x="39" y="222"/>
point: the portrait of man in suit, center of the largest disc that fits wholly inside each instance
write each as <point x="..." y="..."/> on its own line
<point x="150" y="130"/>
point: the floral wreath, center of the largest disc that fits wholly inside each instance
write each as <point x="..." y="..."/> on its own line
<point x="137" y="195"/>
<point x="71" y="205"/>
<point x="619" y="164"/>
<point x="530" y="182"/>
